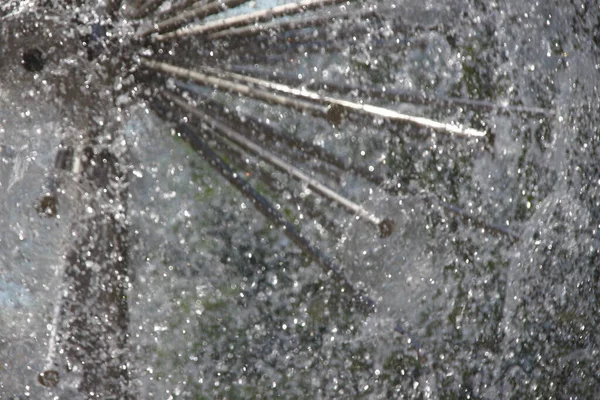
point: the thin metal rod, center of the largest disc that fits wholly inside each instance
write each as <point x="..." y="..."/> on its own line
<point x="301" y="203"/>
<point x="332" y="110"/>
<point x="467" y="216"/>
<point x="287" y="25"/>
<point x="251" y="126"/>
<point x="247" y="19"/>
<point x="387" y="93"/>
<point x="368" y="109"/>
<point x="277" y="162"/>
<point x="269" y="138"/>
<point x="202" y="11"/>
<point x="203" y="79"/>
<point x="362" y="300"/>
<point x="254" y="128"/>
<point x="259" y="131"/>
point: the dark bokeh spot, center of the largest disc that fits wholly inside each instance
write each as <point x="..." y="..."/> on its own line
<point x="33" y="60"/>
<point x="335" y="114"/>
<point x="48" y="206"/>
<point x="386" y="228"/>
<point x="49" y="378"/>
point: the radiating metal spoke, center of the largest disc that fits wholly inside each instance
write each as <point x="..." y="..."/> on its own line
<point x="329" y="107"/>
<point x="202" y="11"/>
<point x="257" y="130"/>
<point x="362" y="301"/>
<point x="245" y="90"/>
<point x="301" y="203"/>
<point x="251" y="127"/>
<point x="345" y="105"/>
<point x="282" y="26"/>
<point x="281" y="164"/>
<point x="390" y="94"/>
<point x="247" y="19"/>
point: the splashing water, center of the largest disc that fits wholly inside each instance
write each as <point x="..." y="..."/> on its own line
<point x="487" y="285"/>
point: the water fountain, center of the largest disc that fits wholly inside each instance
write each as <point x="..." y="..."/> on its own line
<point x="432" y="163"/>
